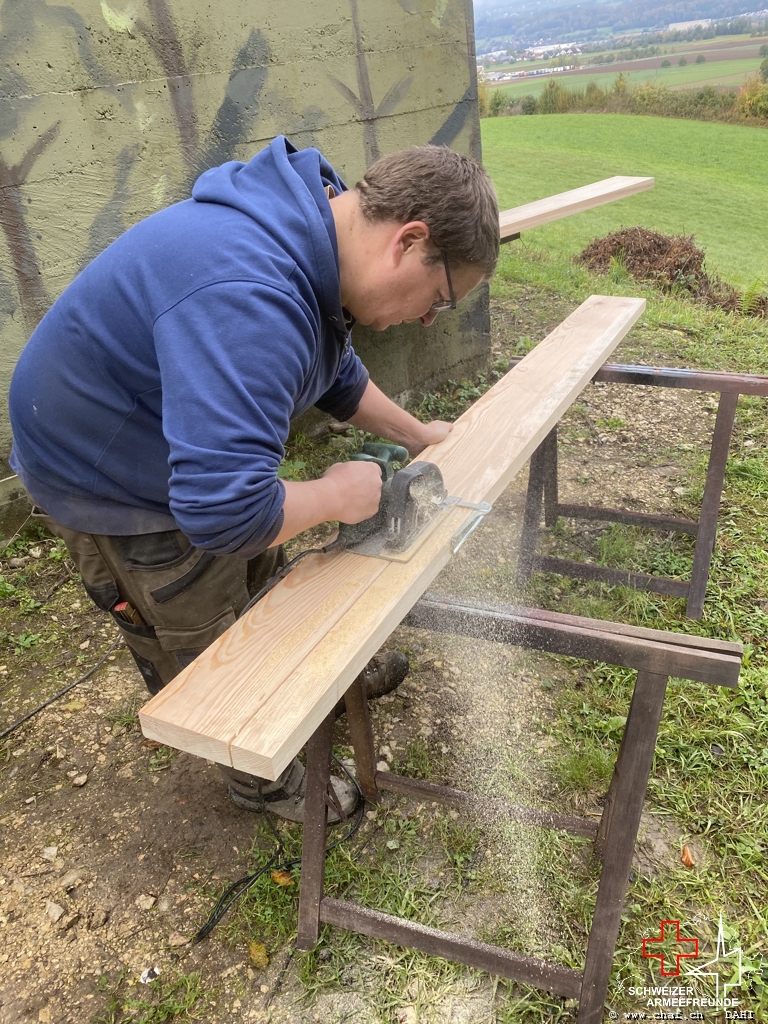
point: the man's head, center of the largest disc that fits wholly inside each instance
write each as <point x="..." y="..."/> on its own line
<point x="421" y="224"/>
<point x="448" y="192"/>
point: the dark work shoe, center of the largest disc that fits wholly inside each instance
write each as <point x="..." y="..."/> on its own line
<point x="285" y="797"/>
<point x="383" y="674"/>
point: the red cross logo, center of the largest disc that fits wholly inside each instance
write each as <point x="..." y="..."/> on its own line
<point x="658" y="955"/>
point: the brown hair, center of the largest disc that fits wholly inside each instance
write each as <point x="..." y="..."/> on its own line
<point x="449" y="192"/>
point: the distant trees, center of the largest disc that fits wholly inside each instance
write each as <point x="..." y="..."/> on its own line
<point x="763" y="72"/>
<point x="701" y="59"/>
<point x="622" y="97"/>
<point x="682" y="62"/>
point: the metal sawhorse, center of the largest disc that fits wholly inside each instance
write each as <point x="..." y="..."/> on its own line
<point x="654" y="654"/>
<point x="543" y="487"/>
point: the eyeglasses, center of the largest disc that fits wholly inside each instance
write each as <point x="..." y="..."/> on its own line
<point x="439" y="307"/>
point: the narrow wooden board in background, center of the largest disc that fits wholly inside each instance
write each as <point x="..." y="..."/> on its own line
<point x="255" y="696"/>
<point x="532" y="215"/>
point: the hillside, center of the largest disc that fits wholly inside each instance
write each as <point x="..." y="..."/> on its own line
<point x="711" y="180"/>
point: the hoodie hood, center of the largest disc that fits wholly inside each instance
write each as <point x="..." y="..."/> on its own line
<point x="296" y="180"/>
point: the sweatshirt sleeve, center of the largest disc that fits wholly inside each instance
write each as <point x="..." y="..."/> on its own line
<point x="233" y="358"/>
<point x="343" y="397"/>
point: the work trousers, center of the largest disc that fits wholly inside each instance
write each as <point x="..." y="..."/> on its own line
<point x="183" y="597"/>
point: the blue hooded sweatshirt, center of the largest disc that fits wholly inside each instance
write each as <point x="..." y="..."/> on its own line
<point x="158" y="390"/>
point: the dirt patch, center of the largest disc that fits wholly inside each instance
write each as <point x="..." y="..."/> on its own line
<point x="670" y="262"/>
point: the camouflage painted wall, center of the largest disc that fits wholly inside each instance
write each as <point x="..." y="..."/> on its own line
<point x="108" y="113"/>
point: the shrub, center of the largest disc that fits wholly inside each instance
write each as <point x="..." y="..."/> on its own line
<point x="555" y="99"/>
<point x="498" y="103"/>
<point x="594" y="96"/>
<point x="529" y="104"/>
<point x="620" y="85"/>
<point x="752" y="100"/>
<point x="701" y="59"/>
<point x="682" y="62"/>
<point x="763" y="72"/>
<point x="666" y="63"/>
<point x="763" y="51"/>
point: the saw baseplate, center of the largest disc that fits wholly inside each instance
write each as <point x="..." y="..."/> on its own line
<point x="377" y="545"/>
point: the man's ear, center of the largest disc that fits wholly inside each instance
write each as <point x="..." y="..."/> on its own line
<point x="414" y="233"/>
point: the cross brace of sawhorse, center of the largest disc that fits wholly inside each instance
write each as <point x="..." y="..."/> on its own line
<point x="543" y="487"/>
<point x="656" y="655"/>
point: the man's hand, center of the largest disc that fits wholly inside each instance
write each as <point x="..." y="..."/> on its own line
<point x="358" y="490"/>
<point x="431" y="433"/>
<point x="381" y="416"/>
<point x="347" y="491"/>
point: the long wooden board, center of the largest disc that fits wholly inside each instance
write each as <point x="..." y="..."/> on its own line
<point x="255" y="696"/>
<point x="523" y="218"/>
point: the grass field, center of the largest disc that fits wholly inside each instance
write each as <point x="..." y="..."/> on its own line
<point x="717" y="73"/>
<point x="711" y="180"/>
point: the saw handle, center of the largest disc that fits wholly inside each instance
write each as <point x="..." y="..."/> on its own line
<point x="382" y="454"/>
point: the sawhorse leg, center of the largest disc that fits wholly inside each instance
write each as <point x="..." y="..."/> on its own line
<point x="315" y="825"/>
<point x="542" y="486"/>
<point x="316" y="810"/>
<point x="615" y="842"/>
<point x="710" y="505"/>
<point x="361" y="734"/>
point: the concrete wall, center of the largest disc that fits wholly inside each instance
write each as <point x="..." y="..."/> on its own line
<point x="108" y="113"/>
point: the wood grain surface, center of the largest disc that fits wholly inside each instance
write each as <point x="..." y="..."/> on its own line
<point x="255" y="696"/>
<point x="523" y="218"/>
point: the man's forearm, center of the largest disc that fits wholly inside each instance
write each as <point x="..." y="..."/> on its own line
<point x="380" y="415"/>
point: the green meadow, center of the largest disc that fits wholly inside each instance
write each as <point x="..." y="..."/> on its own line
<point x="717" y="73"/>
<point x="711" y="180"/>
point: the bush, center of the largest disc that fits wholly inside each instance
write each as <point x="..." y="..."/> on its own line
<point x="701" y="59"/>
<point x="529" y="104"/>
<point x="682" y="62"/>
<point x="498" y="103"/>
<point x="763" y="72"/>
<point x="555" y="99"/>
<point x="666" y="63"/>
<point x="594" y="96"/>
<point x="752" y="100"/>
<point x="763" y="51"/>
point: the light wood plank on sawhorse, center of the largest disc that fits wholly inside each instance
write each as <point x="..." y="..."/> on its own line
<point x="654" y="654"/>
<point x="253" y="698"/>
<point x="543" y="488"/>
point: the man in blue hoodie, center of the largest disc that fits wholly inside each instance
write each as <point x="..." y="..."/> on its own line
<point x="152" y="404"/>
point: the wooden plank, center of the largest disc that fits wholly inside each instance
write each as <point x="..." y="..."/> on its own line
<point x="531" y="215"/>
<point x="255" y="697"/>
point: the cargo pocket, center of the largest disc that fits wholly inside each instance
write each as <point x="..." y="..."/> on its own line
<point x="175" y="585"/>
<point x="157" y="666"/>
<point x="97" y="578"/>
<point x="185" y="643"/>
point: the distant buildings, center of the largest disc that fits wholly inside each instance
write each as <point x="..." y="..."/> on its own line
<point x="685" y="25"/>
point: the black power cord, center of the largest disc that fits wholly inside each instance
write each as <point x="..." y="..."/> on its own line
<point x="273" y="581"/>
<point x="56" y="696"/>
<point x="283" y="572"/>
<point x="242" y="885"/>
